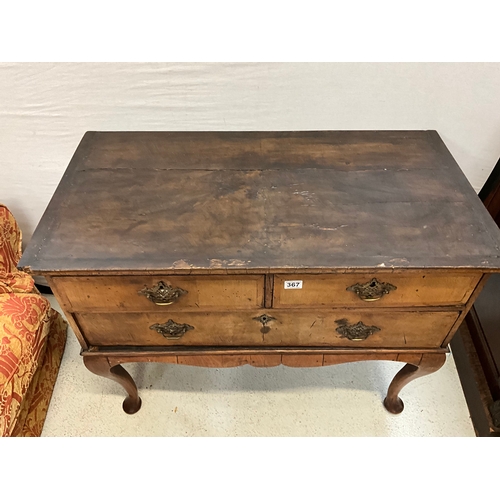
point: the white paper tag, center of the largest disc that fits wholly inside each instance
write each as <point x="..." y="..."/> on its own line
<point x="293" y="285"/>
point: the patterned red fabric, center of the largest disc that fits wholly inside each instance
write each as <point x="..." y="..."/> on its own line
<point x="24" y="326"/>
<point x="11" y="279"/>
<point x="36" y="402"/>
<point x="29" y="358"/>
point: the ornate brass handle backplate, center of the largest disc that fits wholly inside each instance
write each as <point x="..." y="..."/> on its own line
<point x="162" y="294"/>
<point x="356" y="332"/>
<point x="372" y="290"/>
<point x="171" y="330"/>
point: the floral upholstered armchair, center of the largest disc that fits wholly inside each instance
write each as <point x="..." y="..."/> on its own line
<point x="32" y="340"/>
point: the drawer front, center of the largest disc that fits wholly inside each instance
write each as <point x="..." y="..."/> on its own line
<point x="130" y="293"/>
<point x="373" y="290"/>
<point x="342" y="327"/>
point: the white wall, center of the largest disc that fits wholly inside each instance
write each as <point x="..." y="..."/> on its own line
<point x="46" y="108"/>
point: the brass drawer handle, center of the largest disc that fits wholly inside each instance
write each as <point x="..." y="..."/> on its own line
<point x="171" y="330"/>
<point x="372" y="290"/>
<point x="356" y="332"/>
<point x="162" y="294"/>
<point x="264" y="319"/>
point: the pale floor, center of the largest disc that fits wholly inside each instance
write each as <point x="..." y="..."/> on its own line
<point x="341" y="400"/>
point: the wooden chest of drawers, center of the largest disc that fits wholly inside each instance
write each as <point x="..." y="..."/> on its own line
<point x="301" y="248"/>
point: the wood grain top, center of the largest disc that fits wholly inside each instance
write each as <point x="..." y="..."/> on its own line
<point x="250" y="201"/>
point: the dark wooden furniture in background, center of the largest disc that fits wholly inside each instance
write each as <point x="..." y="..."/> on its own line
<point x="476" y="348"/>
<point x="301" y="248"/>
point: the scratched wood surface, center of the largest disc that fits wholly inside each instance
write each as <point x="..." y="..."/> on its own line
<point x="297" y="327"/>
<point x="119" y="294"/>
<point x="327" y="290"/>
<point x="263" y="200"/>
<point x="268" y="360"/>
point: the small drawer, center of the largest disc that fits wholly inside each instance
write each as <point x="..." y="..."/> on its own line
<point x="377" y="290"/>
<point x="153" y="293"/>
<point x="273" y="328"/>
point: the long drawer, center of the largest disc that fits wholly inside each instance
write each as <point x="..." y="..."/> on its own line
<point x="373" y="290"/>
<point x="340" y="327"/>
<point x="153" y="293"/>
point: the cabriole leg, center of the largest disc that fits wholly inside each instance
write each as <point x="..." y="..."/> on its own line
<point x="429" y="363"/>
<point x="101" y="366"/>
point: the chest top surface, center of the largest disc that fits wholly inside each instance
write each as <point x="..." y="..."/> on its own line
<point x="250" y="201"/>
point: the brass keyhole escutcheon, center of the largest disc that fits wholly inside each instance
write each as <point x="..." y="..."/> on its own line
<point x="264" y="319"/>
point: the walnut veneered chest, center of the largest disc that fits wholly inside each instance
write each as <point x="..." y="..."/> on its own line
<point x="301" y="248"/>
